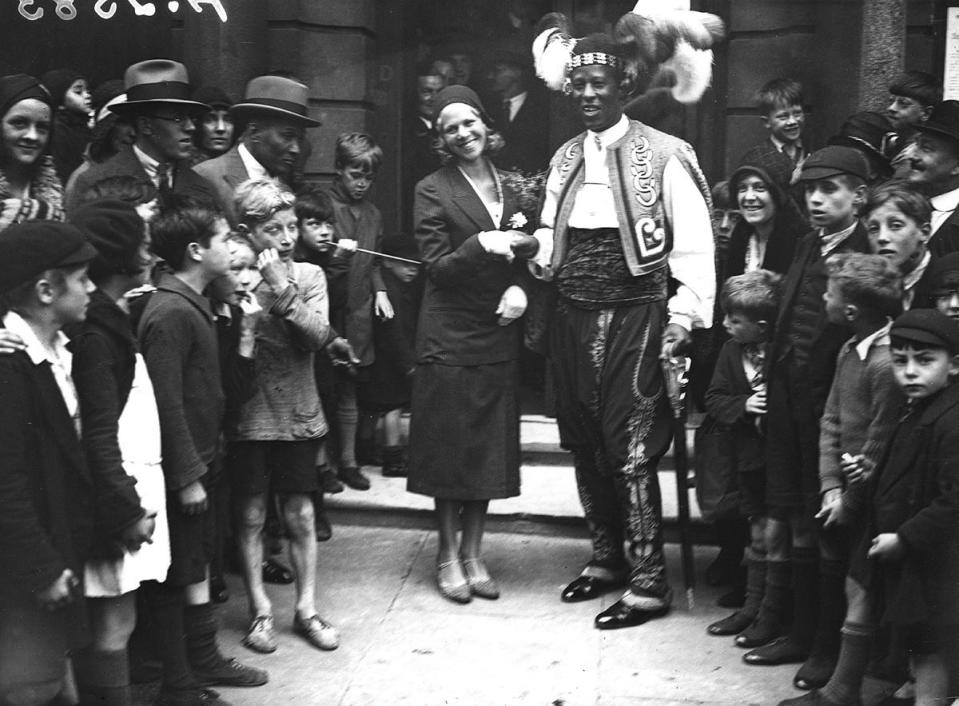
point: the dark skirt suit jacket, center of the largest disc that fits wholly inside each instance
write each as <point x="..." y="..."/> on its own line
<point x="457" y="324"/>
<point x="916" y="495"/>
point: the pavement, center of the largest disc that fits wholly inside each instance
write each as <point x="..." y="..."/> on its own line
<point x="403" y="643"/>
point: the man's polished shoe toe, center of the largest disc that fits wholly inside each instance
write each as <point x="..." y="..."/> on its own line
<point x="621" y="615"/>
<point x="584" y="588"/>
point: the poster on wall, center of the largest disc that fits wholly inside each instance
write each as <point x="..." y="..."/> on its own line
<point x="950" y="73"/>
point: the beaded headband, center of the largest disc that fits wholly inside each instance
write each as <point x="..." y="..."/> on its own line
<point x="591" y="58"/>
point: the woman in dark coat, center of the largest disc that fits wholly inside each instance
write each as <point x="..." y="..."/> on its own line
<point x="464" y="435"/>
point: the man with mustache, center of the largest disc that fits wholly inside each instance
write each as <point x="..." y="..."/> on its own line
<point x="934" y="170"/>
<point x="275" y="111"/>
<point x="158" y="103"/>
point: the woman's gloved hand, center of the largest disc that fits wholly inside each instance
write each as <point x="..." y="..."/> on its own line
<point x="496" y="242"/>
<point x="512" y="305"/>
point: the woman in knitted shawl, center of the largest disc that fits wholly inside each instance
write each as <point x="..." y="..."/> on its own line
<point x="29" y="187"/>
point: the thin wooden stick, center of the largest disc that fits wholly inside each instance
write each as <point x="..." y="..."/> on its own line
<point x="392" y="257"/>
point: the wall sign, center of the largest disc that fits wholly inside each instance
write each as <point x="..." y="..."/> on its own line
<point x="66" y="9"/>
<point x="950" y="74"/>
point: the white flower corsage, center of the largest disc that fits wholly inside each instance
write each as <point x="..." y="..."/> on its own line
<point x="517" y="221"/>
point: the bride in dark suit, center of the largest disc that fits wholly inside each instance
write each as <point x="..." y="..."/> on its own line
<point x="464" y="436"/>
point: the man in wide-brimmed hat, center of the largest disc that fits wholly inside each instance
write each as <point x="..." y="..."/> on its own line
<point x="934" y="169"/>
<point x="158" y="103"/>
<point x="276" y="114"/>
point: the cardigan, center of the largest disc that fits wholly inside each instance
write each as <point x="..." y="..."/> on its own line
<point x="861" y="410"/>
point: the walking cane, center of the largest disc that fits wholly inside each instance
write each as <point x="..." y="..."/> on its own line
<point x="674" y="373"/>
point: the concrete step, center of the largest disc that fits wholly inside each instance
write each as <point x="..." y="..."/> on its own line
<point x="548" y="502"/>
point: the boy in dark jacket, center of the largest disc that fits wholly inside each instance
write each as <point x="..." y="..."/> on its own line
<point x="736" y="402"/>
<point x="905" y="571"/>
<point x="46" y="491"/>
<point x="178" y="337"/>
<point x="802" y="360"/>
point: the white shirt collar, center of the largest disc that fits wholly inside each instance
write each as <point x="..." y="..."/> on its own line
<point x="609" y="135"/>
<point x="910" y="280"/>
<point x="254" y="169"/>
<point x="828" y="243"/>
<point x="945" y="202"/>
<point x="149" y="165"/>
<point x="516" y="102"/>
<point x="879" y="336"/>
<point x="35" y="349"/>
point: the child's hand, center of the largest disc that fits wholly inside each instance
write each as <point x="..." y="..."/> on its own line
<point x="383" y="306"/>
<point x="887" y="546"/>
<point x="756" y="403"/>
<point x="193" y="499"/>
<point x="139" y="533"/>
<point x="60" y="592"/>
<point x="341" y="353"/>
<point x="854" y="467"/>
<point x="10" y="342"/>
<point x="346" y="245"/>
<point x="832" y="508"/>
<point x="273" y="269"/>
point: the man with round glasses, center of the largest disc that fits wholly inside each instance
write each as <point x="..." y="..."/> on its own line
<point x="158" y="104"/>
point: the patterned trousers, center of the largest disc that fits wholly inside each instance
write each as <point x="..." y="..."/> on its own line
<point x="614" y="416"/>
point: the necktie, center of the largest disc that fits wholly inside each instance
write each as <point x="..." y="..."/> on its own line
<point x="163" y="179"/>
<point x="506" y="112"/>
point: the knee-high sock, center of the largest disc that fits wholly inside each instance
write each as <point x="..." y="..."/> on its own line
<point x="165" y="605"/>
<point x="103" y="677"/>
<point x="805" y="565"/>
<point x="846" y="681"/>
<point x="200" y="629"/>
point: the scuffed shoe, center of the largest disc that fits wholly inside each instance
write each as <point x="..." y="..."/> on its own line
<point x="261" y="637"/>
<point x="229" y="672"/>
<point x="317" y="632"/>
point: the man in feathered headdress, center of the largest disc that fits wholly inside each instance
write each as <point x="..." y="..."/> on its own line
<point x="626" y="237"/>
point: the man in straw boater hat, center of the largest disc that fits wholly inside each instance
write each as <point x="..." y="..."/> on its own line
<point x="626" y="212"/>
<point x="276" y="114"/>
<point x="158" y="103"/>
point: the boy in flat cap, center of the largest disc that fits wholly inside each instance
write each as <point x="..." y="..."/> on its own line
<point x="905" y="571"/>
<point x="45" y="487"/>
<point x="802" y="360"/>
<point x="159" y="105"/>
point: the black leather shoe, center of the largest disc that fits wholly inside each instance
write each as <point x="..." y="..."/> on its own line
<point x="620" y="615"/>
<point x="275" y="572"/>
<point x="353" y="477"/>
<point x="783" y="650"/>
<point x="585" y="588"/>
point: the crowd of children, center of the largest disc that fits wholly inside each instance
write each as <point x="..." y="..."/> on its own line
<point x="826" y="446"/>
<point x="220" y="346"/>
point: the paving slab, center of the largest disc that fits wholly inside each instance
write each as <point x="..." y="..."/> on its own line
<point x="402" y="643"/>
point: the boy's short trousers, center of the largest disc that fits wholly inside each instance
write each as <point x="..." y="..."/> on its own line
<point x="33" y="647"/>
<point x="281" y="466"/>
<point x="752" y="493"/>
<point x="192" y="538"/>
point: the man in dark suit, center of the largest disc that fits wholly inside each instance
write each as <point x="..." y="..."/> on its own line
<point x="520" y="116"/>
<point x="158" y="104"/>
<point x="934" y="170"/>
<point x="276" y="115"/>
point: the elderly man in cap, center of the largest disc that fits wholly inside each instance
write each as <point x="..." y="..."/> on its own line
<point x="934" y="169"/>
<point x="625" y="210"/>
<point x="275" y="111"/>
<point x="158" y="103"/>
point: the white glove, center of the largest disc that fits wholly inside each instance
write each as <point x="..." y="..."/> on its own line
<point x="512" y="305"/>
<point x="496" y="242"/>
<point x="346" y="244"/>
